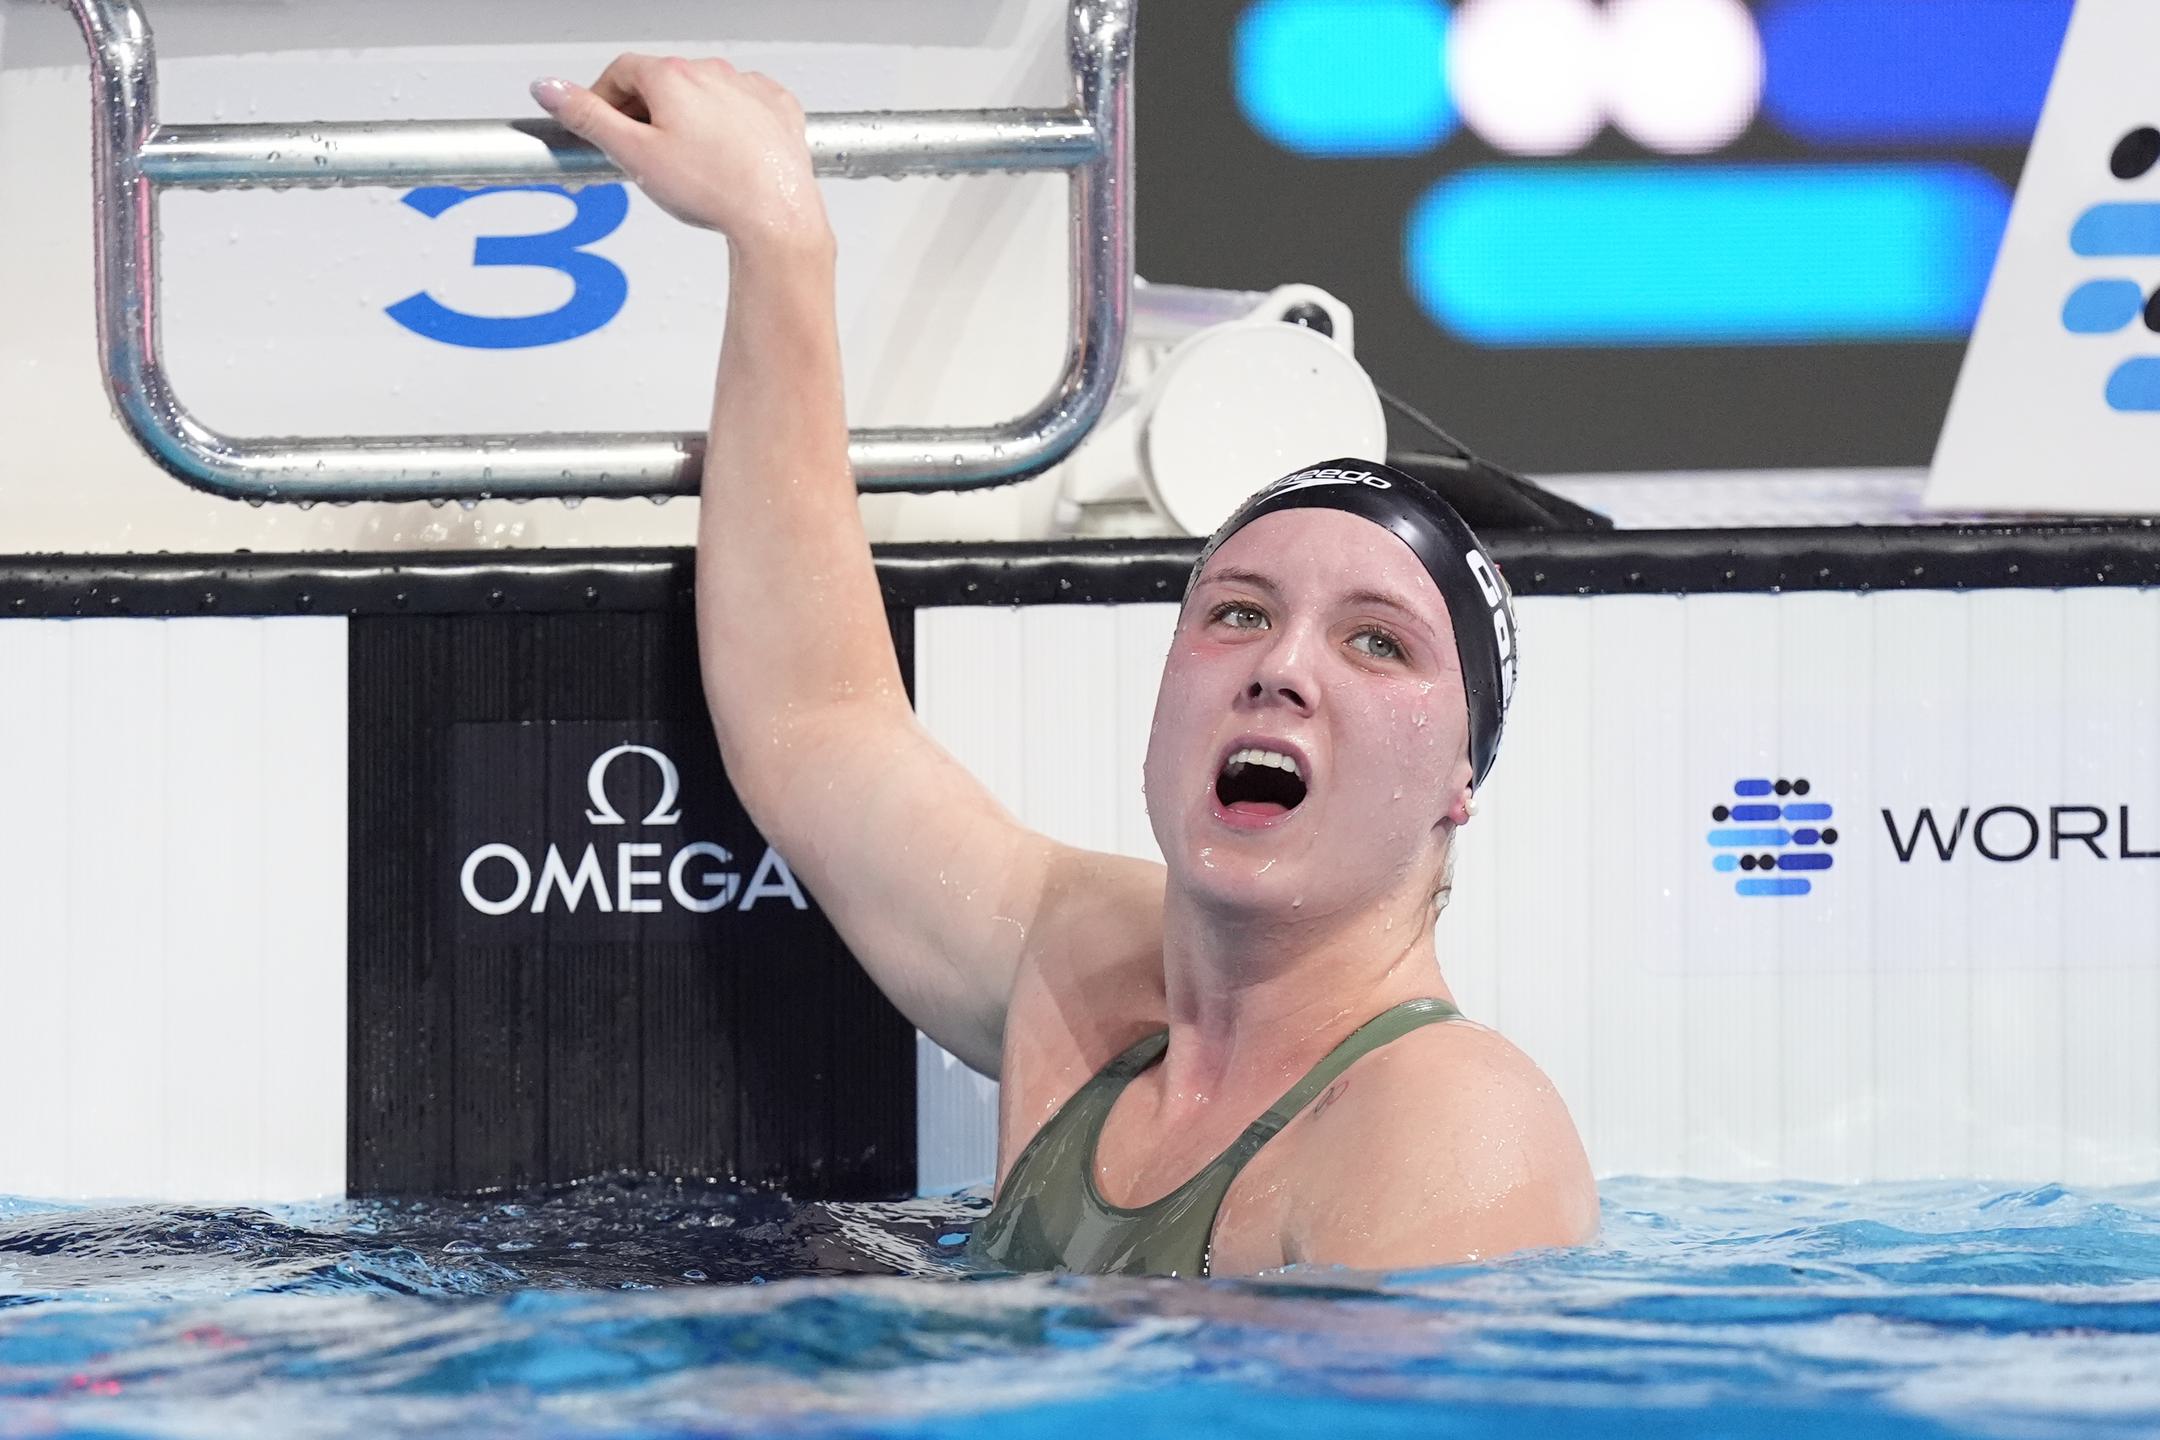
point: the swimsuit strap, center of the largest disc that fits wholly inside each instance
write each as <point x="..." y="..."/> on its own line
<point x="1079" y="1121"/>
<point x="1389" y="1025"/>
<point x="1049" y="1214"/>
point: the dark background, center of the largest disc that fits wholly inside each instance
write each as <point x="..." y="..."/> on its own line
<point x="747" y="1046"/>
<point x="1219" y="205"/>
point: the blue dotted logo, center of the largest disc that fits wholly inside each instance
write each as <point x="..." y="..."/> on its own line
<point x="2121" y="229"/>
<point x="1773" y="836"/>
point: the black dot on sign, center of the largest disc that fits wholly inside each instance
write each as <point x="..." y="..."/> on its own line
<point x="1721" y="813"/>
<point x="2135" y="153"/>
<point x="1784" y="787"/>
<point x="1747" y="862"/>
<point x="1799" y="787"/>
<point x="1829" y="837"/>
<point x="1766" y="862"/>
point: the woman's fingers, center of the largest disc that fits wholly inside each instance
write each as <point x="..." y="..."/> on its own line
<point x="706" y="143"/>
<point x="626" y="82"/>
<point x="586" y="115"/>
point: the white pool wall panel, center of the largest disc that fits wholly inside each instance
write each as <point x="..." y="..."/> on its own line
<point x="2111" y="1060"/>
<point x="173" y="917"/>
<point x="172" y="908"/>
<point x="953" y="293"/>
<point x="1049" y="707"/>
<point x="1997" y="1019"/>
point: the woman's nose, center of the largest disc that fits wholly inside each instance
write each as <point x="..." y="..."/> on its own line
<point x="1283" y="674"/>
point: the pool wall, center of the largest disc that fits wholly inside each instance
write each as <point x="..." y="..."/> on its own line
<point x="173" y="889"/>
<point x="248" y="950"/>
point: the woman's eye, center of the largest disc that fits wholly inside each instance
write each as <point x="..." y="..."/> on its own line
<point x="1379" y="644"/>
<point x="1240" y="616"/>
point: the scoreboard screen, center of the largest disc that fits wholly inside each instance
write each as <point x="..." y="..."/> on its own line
<point x="1620" y="236"/>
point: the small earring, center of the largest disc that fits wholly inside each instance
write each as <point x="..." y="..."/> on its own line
<point x="1470" y="803"/>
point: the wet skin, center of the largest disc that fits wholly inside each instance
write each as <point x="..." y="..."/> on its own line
<point x="1279" y="643"/>
<point x="1266" y="940"/>
<point x="1318" y="632"/>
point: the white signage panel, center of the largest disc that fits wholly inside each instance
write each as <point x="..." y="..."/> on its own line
<point x="524" y="309"/>
<point x="2057" y="407"/>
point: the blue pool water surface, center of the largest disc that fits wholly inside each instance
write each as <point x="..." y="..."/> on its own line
<point x="642" y="1309"/>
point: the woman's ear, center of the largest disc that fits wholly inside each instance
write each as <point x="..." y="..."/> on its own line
<point x="1465" y="807"/>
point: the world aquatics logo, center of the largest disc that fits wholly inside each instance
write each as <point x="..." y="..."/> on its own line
<point x="1773" y="835"/>
<point x="2122" y="229"/>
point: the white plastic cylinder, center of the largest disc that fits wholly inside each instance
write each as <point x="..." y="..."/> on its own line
<point x="1238" y="405"/>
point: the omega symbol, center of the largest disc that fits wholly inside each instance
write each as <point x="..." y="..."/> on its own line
<point x="603" y="813"/>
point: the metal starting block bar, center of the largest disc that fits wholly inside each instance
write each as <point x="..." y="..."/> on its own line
<point x="133" y="157"/>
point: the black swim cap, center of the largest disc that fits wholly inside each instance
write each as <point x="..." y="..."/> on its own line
<point x="1477" y="598"/>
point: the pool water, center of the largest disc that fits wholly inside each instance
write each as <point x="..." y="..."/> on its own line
<point x="644" y="1309"/>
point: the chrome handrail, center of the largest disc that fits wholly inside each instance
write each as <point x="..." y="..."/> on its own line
<point x="133" y="157"/>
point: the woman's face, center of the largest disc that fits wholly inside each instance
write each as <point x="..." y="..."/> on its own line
<point x="1317" y="636"/>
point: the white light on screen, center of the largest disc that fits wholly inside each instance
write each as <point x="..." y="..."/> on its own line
<point x="1682" y="76"/>
<point x="1542" y="77"/>
<point x="1527" y="75"/>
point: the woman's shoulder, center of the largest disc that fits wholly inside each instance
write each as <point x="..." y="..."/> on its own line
<point x="1447" y="1144"/>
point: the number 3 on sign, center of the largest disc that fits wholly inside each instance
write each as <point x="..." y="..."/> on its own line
<point x="599" y="287"/>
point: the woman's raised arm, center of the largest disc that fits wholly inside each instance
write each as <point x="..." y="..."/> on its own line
<point x="933" y="885"/>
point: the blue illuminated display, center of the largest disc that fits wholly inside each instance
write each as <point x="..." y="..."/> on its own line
<point x="1329" y="79"/>
<point x="1664" y="255"/>
<point x="1862" y="72"/>
<point x="1681" y="252"/>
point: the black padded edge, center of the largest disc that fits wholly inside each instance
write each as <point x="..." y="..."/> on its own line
<point x="1089" y="572"/>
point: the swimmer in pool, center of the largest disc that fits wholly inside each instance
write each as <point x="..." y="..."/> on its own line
<point x="1245" y="1057"/>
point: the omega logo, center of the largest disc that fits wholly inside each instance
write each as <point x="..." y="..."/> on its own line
<point x="497" y="878"/>
<point x="663" y="811"/>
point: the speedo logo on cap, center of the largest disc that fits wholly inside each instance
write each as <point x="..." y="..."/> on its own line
<point x="1329" y="475"/>
<point x="1489" y="585"/>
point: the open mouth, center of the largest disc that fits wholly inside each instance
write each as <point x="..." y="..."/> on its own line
<point x="1260" y="783"/>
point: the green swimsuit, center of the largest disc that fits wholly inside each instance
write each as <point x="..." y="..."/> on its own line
<point x="1050" y="1216"/>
